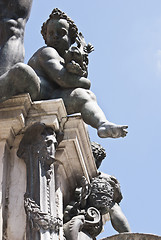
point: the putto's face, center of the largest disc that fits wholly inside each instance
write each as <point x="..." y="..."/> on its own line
<point x="58" y="35"/>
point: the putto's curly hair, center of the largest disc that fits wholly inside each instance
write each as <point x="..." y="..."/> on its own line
<point x="99" y="153"/>
<point x="58" y="14"/>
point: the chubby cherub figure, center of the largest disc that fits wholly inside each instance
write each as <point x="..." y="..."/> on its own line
<point x="69" y="83"/>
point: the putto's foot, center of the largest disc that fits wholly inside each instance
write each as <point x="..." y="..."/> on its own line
<point x="111" y="130"/>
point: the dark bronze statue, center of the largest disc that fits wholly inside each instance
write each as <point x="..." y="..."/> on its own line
<point x="15" y="76"/>
<point x="83" y="216"/>
<point x="58" y="70"/>
<point x="69" y="83"/>
<point x="92" y="201"/>
<point x="13" y="17"/>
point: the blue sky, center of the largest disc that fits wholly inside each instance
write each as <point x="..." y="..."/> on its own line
<point x="125" y="71"/>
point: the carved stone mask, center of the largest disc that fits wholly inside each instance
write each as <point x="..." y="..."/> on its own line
<point x="41" y="141"/>
<point x="51" y="142"/>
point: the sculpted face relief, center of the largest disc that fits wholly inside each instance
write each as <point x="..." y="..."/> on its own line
<point x="51" y="144"/>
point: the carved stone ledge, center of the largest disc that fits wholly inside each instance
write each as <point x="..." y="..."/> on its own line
<point x="12" y="116"/>
<point x="19" y="112"/>
<point x="50" y="112"/>
<point x="75" y="157"/>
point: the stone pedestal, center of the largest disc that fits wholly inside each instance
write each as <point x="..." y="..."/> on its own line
<point x="73" y="160"/>
<point x="133" y="236"/>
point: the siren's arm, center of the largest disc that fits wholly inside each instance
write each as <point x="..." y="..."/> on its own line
<point x="118" y="219"/>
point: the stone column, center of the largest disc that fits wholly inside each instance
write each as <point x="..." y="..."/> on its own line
<point x="12" y="120"/>
<point x="37" y="148"/>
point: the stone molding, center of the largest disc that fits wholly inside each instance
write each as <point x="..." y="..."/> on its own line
<point x="13" y="113"/>
<point x="75" y="156"/>
<point x="49" y="112"/>
<point x="133" y="236"/>
<point x="19" y="112"/>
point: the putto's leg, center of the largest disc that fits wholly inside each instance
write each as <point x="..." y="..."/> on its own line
<point x="108" y="129"/>
<point x="21" y="78"/>
<point x="84" y="101"/>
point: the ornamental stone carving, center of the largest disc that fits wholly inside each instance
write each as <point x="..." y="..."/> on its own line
<point x="37" y="148"/>
<point x="91" y="202"/>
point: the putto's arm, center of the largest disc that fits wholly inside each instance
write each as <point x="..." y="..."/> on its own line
<point x="53" y="67"/>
